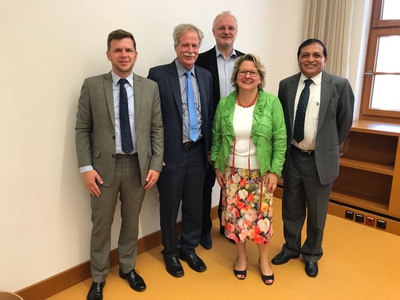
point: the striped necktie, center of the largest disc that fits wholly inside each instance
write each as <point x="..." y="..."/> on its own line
<point x="301" y="112"/>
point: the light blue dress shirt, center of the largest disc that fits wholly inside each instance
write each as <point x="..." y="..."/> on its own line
<point x="185" y="110"/>
<point x="225" y="68"/>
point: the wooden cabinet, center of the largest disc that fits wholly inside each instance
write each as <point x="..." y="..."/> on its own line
<point x="368" y="187"/>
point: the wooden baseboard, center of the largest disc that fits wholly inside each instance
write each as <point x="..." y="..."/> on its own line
<point x="64" y="280"/>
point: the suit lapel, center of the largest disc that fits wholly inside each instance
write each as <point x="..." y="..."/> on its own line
<point x="107" y="85"/>
<point x="214" y="70"/>
<point x="203" y="101"/>
<point x="326" y="90"/>
<point x="137" y="99"/>
<point x="292" y="90"/>
<point x="173" y="79"/>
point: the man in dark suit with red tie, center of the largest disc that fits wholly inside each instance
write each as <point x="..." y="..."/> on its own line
<point x="187" y="141"/>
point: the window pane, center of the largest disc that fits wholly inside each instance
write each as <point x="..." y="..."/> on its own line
<point x="386" y="93"/>
<point x="388" y="54"/>
<point x="391" y="10"/>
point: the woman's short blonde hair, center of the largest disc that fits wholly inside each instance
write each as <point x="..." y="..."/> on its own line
<point x="257" y="62"/>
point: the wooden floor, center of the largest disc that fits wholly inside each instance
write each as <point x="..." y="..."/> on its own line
<point x="358" y="263"/>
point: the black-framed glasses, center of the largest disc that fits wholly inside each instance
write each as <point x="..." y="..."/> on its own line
<point x="251" y="72"/>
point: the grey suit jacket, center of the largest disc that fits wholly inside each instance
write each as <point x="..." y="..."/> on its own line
<point x="334" y="120"/>
<point x="171" y="105"/>
<point x="95" y="133"/>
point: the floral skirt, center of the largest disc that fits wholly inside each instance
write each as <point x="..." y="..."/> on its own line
<point x="244" y="216"/>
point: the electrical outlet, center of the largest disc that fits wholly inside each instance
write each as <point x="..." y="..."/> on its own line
<point x="359" y="218"/>
<point x="370" y="221"/>
<point x="349" y="215"/>
<point x="381" y="224"/>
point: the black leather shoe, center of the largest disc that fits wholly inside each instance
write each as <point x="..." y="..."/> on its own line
<point x="206" y="241"/>
<point x="222" y="230"/>
<point x="282" y="258"/>
<point x="193" y="261"/>
<point x="312" y="269"/>
<point x="96" y="291"/>
<point x="135" y="280"/>
<point x="173" y="266"/>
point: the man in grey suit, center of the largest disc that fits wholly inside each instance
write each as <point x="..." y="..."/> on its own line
<point x="186" y="104"/>
<point x="219" y="60"/>
<point x="315" y="130"/>
<point x="119" y="144"/>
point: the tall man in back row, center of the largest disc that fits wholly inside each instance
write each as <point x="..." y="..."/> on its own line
<point x="318" y="109"/>
<point x="219" y="60"/>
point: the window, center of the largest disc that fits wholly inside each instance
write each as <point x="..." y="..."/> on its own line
<point x="381" y="86"/>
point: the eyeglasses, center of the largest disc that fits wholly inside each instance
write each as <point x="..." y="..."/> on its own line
<point x="223" y="28"/>
<point x="244" y="73"/>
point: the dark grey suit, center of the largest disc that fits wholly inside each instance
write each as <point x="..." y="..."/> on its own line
<point x="95" y="146"/>
<point x="183" y="174"/>
<point x="307" y="178"/>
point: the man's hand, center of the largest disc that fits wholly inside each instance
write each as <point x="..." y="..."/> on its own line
<point x="151" y="179"/>
<point x="90" y="178"/>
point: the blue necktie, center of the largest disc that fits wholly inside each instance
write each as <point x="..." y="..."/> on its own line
<point x="301" y="112"/>
<point x="193" y="127"/>
<point x="126" y="134"/>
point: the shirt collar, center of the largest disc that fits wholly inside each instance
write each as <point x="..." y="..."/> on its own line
<point x="218" y="52"/>
<point x="116" y="78"/>
<point x="316" y="79"/>
<point x="181" y="70"/>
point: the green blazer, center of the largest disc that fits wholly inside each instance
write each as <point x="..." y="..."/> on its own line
<point x="268" y="132"/>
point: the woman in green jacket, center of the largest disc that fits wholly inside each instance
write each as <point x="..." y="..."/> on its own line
<point x="248" y="151"/>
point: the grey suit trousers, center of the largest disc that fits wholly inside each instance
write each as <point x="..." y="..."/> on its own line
<point x="304" y="196"/>
<point x="126" y="184"/>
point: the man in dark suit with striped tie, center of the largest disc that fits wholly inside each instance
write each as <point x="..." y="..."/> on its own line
<point x="318" y="109"/>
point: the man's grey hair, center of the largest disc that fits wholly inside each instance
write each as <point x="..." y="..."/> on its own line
<point x="183" y="28"/>
<point x="222" y="14"/>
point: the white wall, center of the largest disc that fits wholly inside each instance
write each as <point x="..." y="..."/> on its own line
<point x="47" y="48"/>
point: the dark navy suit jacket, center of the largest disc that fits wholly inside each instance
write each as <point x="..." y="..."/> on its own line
<point x="171" y="106"/>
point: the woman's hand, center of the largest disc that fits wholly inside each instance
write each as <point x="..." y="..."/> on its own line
<point x="271" y="182"/>
<point x="220" y="178"/>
